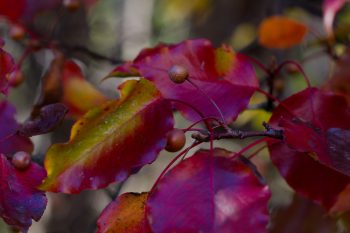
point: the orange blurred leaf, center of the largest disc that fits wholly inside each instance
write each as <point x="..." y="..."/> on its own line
<point x="279" y="32"/>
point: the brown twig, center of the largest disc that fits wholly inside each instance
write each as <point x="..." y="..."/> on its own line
<point x="205" y="136"/>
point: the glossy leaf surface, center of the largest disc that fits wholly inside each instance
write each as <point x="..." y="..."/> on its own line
<point x="310" y="158"/>
<point x="20" y="200"/>
<point x="125" y="215"/>
<point x="278" y="32"/>
<point x="209" y="193"/>
<point x="223" y="75"/>
<point x="7" y="65"/>
<point x="112" y="141"/>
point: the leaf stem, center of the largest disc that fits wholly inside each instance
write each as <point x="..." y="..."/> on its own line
<point x="298" y="66"/>
<point x="196" y="143"/>
<point x="210" y="99"/>
<point x="205" y="136"/>
<point x="248" y="147"/>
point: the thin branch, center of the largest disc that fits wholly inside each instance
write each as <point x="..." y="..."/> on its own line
<point x="92" y="54"/>
<point x="205" y="136"/>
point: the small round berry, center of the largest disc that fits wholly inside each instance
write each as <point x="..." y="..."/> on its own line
<point x="176" y="139"/>
<point x="71" y="5"/>
<point x="21" y="160"/>
<point x="17" y="32"/>
<point x="178" y="74"/>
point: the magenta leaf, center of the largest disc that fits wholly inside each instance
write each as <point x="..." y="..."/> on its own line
<point x="313" y="157"/>
<point x="227" y="78"/>
<point x="50" y="116"/>
<point x="10" y="141"/>
<point x="209" y="193"/>
<point x="20" y="200"/>
<point x="8" y="122"/>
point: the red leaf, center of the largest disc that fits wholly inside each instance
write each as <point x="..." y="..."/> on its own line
<point x="228" y="78"/>
<point x="7" y="65"/>
<point x="13" y="9"/>
<point x="309" y="159"/>
<point x="20" y="200"/>
<point x="25" y="10"/>
<point x="125" y="215"/>
<point x="208" y="193"/>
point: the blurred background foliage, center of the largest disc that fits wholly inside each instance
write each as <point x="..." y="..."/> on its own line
<point x="116" y="30"/>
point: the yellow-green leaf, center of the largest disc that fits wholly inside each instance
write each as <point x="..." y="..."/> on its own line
<point x="111" y="141"/>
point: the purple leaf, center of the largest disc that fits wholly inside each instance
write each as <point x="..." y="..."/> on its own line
<point x="20" y="200"/>
<point x="209" y="193"/>
<point x="50" y="116"/>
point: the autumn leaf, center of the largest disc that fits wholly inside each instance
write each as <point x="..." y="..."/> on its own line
<point x="24" y="11"/>
<point x="78" y="94"/>
<point x="279" y="32"/>
<point x="8" y="66"/>
<point x="13" y="10"/>
<point x="125" y="215"/>
<point x="50" y="116"/>
<point x="226" y="77"/>
<point x="10" y="141"/>
<point x="111" y="141"/>
<point x="209" y="193"/>
<point x="20" y="200"/>
<point x="64" y="82"/>
<point x="313" y="157"/>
